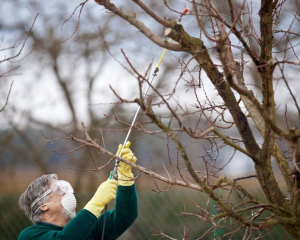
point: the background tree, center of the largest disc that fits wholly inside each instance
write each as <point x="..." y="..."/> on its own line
<point x="247" y="65"/>
<point x="61" y="76"/>
<point x="8" y="55"/>
<point x="65" y="81"/>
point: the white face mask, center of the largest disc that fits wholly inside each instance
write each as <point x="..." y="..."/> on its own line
<point x="68" y="201"/>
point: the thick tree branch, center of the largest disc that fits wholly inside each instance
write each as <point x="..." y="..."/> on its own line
<point x="151" y="13"/>
<point x="224" y="90"/>
<point x="251" y="105"/>
<point x="140" y="26"/>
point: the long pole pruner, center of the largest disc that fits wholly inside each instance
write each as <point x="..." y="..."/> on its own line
<point x="114" y="173"/>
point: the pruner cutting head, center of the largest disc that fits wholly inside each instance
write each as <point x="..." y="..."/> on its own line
<point x="184" y="11"/>
<point x="182" y="14"/>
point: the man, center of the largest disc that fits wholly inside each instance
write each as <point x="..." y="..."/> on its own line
<point x="50" y="204"/>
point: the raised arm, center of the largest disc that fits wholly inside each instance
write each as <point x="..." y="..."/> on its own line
<point x="126" y="208"/>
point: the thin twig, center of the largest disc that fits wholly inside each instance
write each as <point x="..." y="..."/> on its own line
<point x="7" y="97"/>
<point x="22" y="47"/>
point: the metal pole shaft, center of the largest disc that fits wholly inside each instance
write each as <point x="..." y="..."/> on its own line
<point x="115" y="171"/>
<point x="154" y="75"/>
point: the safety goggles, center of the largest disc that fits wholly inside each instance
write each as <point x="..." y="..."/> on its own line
<point x="58" y="188"/>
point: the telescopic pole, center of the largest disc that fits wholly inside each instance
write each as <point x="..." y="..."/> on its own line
<point x="114" y="173"/>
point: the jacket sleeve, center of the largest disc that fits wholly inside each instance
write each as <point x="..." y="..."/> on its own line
<point x="119" y="219"/>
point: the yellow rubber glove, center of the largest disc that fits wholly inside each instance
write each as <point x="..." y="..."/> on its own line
<point x="105" y="193"/>
<point x="125" y="177"/>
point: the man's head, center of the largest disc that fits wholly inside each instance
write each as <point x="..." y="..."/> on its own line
<point x="48" y="199"/>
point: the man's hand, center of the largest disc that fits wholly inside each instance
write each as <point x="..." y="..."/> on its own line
<point x="125" y="177"/>
<point x="105" y="193"/>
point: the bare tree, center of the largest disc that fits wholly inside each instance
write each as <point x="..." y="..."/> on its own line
<point x="71" y="64"/>
<point x="8" y="59"/>
<point x="253" y="49"/>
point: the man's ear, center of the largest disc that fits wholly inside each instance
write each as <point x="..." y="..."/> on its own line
<point x="44" y="208"/>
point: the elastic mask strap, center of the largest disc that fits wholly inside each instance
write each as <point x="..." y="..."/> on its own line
<point x="45" y="205"/>
<point x="39" y="198"/>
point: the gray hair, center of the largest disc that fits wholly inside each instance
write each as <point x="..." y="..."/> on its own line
<point x="35" y="190"/>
